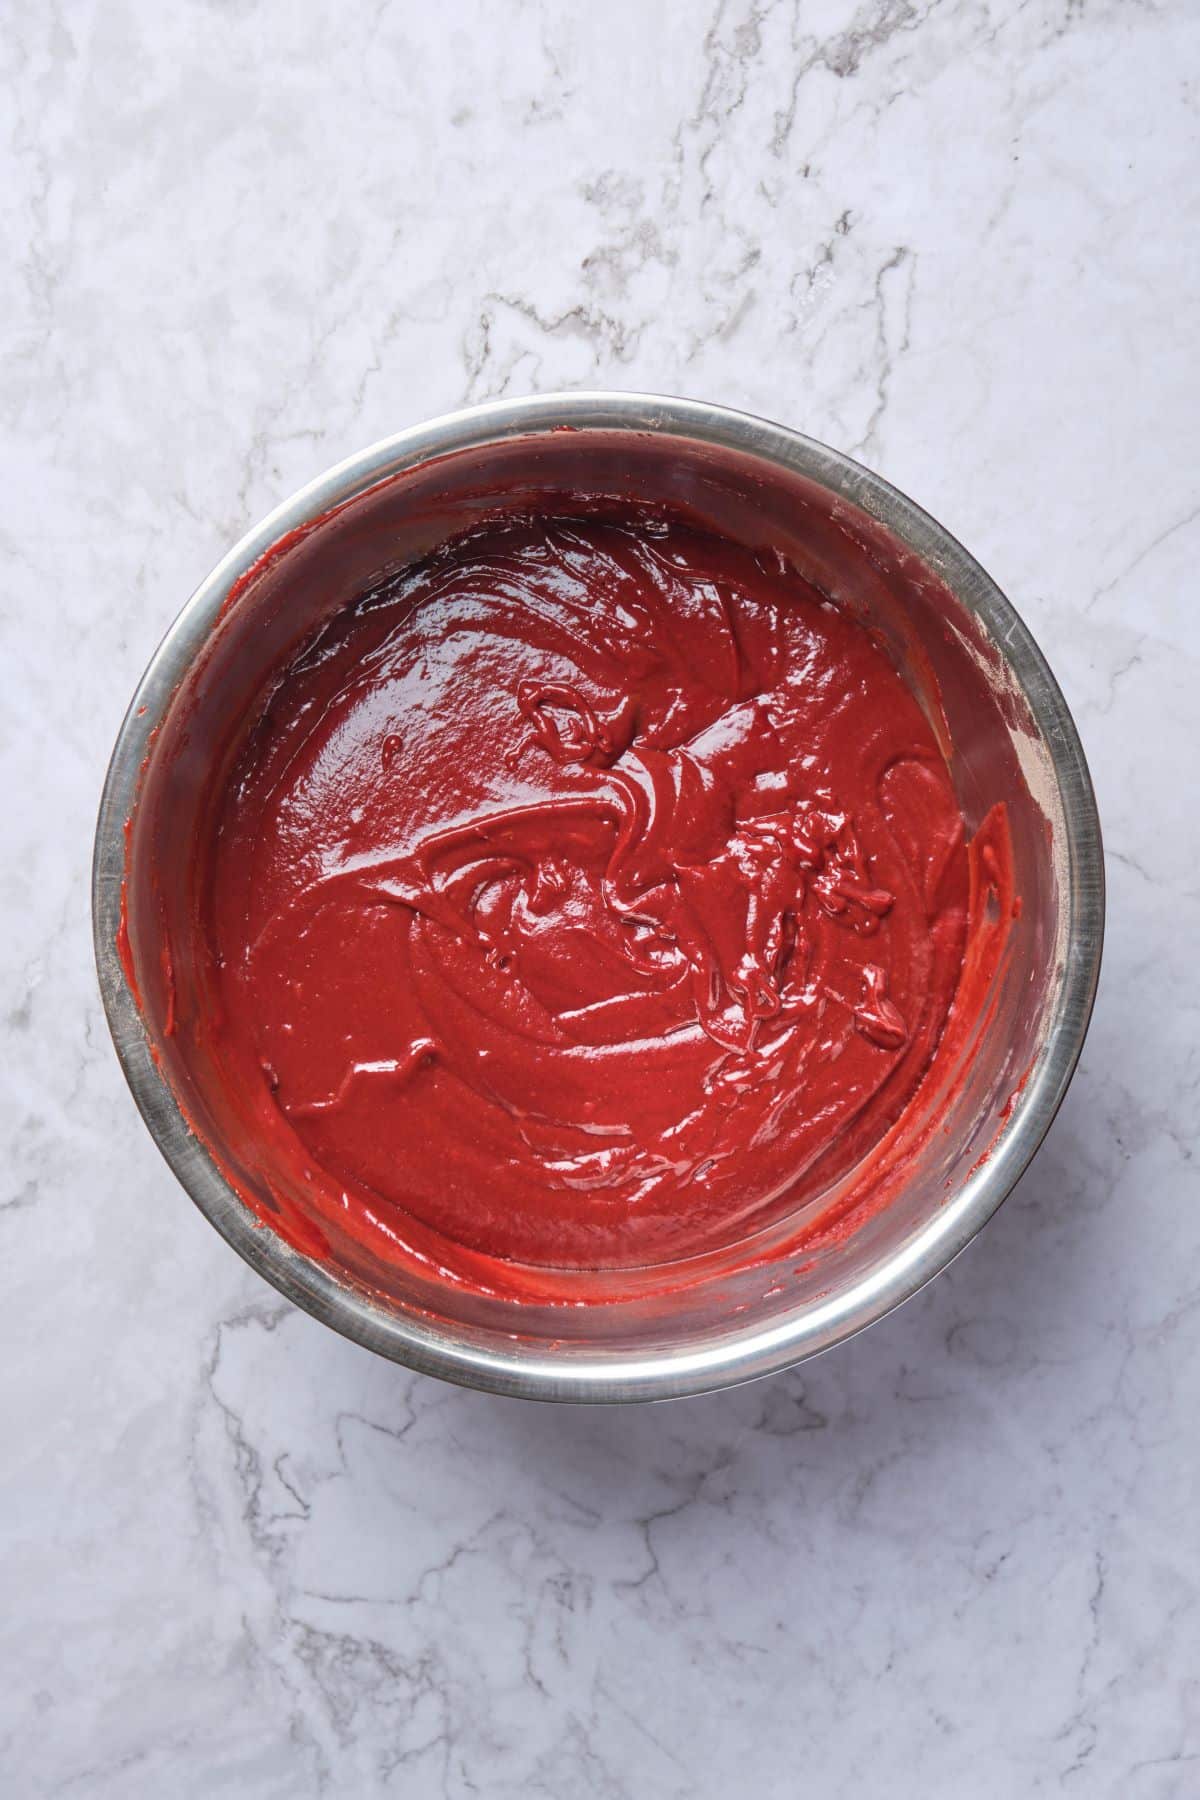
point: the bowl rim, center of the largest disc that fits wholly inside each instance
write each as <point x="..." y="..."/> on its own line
<point x="740" y="1354"/>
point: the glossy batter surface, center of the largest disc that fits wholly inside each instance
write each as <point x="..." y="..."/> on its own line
<point x="589" y="894"/>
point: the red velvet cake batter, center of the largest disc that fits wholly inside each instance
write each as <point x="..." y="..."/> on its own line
<point x="585" y="896"/>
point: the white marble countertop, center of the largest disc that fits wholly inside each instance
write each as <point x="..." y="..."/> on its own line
<point x="958" y="1557"/>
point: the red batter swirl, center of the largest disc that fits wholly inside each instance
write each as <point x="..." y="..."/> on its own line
<point x="590" y="894"/>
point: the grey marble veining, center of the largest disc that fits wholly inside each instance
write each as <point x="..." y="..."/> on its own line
<point x="960" y="1556"/>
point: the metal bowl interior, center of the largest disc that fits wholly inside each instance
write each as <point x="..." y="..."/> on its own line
<point x="1008" y="736"/>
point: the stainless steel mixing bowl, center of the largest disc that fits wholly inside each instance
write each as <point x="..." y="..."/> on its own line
<point x="1011" y="738"/>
